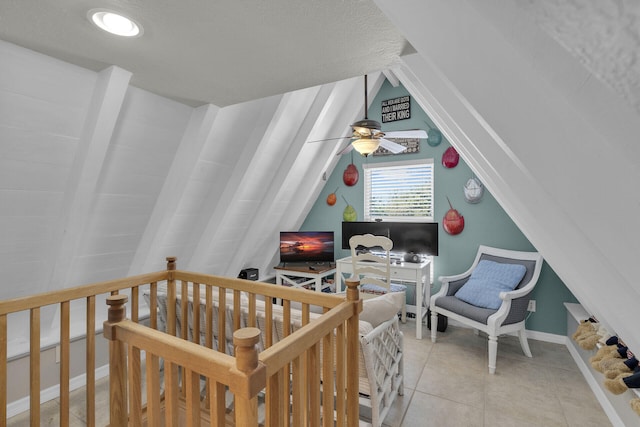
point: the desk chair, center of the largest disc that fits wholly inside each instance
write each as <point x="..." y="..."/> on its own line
<point x="491" y="296"/>
<point x="374" y="271"/>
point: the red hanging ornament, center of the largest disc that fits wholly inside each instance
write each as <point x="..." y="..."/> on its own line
<point x="452" y="222"/>
<point x="450" y="158"/>
<point x="350" y="175"/>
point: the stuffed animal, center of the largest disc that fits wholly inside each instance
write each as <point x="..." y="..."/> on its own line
<point x="588" y="342"/>
<point x="635" y="405"/>
<point x="590" y="338"/>
<point x="603" y="353"/>
<point x="589" y="333"/>
<point x="623" y="366"/>
<point x="623" y="382"/>
<point x="585" y="326"/>
<point x="584" y="331"/>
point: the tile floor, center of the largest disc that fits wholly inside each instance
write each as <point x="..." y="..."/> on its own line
<point x="448" y="384"/>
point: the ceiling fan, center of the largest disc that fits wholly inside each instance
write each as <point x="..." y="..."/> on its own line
<point x="367" y="135"/>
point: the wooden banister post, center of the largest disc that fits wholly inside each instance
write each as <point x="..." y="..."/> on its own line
<point x="353" y="341"/>
<point x="118" y="415"/>
<point x="246" y="352"/>
<point x="171" y="263"/>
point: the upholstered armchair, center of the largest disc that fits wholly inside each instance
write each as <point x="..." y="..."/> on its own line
<point x="492" y="296"/>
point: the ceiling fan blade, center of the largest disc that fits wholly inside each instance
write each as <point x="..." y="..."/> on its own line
<point x="329" y="139"/>
<point x="413" y="133"/>
<point x="392" y="146"/>
<point x="345" y="150"/>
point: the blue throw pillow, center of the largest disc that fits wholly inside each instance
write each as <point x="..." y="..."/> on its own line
<point x="487" y="280"/>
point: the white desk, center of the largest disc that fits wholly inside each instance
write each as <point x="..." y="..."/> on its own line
<point x="289" y="276"/>
<point x="420" y="274"/>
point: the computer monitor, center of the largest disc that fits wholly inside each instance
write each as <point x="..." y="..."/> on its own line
<point x="407" y="237"/>
<point x="306" y="246"/>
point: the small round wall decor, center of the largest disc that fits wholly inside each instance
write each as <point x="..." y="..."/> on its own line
<point x="473" y="190"/>
<point x="434" y="137"/>
<point x="450" y="158"/>
<point x="332" y="198"/>
<point x="350" y="175"/>
<point x="453" y="221"/>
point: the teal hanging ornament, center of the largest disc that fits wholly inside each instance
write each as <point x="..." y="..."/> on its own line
<point x="434" y="136"/>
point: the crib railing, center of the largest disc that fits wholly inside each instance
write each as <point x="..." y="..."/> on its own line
<point x="301" y="379"/>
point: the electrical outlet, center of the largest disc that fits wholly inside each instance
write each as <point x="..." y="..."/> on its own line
<point x="532" y="305"/>
<point x="57" y="354"/>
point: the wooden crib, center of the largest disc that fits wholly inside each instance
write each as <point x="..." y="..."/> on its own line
<point x="172" y="378"/>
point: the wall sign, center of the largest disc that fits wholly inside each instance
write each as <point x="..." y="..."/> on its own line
<point x="396" y="109"/>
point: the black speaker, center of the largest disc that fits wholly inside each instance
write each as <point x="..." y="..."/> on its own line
<point x="248" y="274"/>
<point x="443" y="321"/>
<point x="411" y="257"/>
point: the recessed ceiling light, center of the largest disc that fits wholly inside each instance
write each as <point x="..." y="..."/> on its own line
<point x="115" y="23"/>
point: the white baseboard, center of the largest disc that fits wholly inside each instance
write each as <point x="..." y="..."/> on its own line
<point x="21" y="405"/>
<point x="534" y="335"/>
<point x="595" y="387"/>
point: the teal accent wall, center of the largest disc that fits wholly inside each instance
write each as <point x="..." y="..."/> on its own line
<point x="485" y="222"/>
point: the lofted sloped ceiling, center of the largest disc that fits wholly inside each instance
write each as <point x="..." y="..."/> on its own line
<point x="214" y="52"/>
<point x="117" y="154"/>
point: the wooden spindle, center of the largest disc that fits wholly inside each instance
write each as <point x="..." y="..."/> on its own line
<point x="117" y="361"/>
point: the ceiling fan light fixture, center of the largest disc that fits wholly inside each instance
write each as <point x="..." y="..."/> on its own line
<point x="366" y="126"/>
<point x="366" y="146"/>
<point x="115" y="23"/>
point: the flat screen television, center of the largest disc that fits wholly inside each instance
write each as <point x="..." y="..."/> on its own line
<point x="414" y="237"/>
<point x="306" y="246"/>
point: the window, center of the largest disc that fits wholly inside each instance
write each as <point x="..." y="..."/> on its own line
<point x="399" y="191"/>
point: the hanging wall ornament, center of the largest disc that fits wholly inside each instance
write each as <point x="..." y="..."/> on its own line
<point x="453" y="222"/>
<point x="350" y="175"/>
<point x="450" y="158"/>
<point x="332" y="198"/>
<point x="349" y="214"/>
<point x="473" y="190"/>
<point x="434" y="136"/>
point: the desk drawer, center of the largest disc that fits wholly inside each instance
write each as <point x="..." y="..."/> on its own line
<point x="403" y="274"/>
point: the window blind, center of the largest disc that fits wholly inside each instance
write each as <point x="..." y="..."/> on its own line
<point x="399" y="191"/>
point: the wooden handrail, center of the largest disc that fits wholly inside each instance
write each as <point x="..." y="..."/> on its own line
<point x="48" y="298"/>
<point x="297" y="356"/>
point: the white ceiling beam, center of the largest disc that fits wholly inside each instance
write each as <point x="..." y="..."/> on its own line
<point x="197" y="133"/>
<point x="257" y="245"/>
<point x="251" y="119"/>
<point x="302" y="182"/>
<point x="106" y="103"/>
<point x="391" y="77"/>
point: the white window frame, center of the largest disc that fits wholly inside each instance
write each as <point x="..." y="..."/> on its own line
<point x="397" y="167"/>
